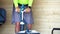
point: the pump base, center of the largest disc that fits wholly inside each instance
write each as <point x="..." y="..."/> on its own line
<point x="32" y="32"/>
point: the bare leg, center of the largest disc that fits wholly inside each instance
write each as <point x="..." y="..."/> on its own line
<point x="17" y="27"/>
<point x="29" y="26"/>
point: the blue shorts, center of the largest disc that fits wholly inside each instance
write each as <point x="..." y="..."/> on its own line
<point x="28" y="19"/>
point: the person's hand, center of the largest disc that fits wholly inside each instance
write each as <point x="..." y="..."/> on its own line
<point x="17" y="9"/>
<point x="27" y="10"/>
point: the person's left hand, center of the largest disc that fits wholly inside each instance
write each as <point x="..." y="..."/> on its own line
<point x="27" y="10"/>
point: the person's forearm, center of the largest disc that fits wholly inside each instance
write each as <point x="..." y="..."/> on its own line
<point x="30" y="3"/>
<point x="15" y="3"/>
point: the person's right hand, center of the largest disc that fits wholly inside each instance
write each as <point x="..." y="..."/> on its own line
<point x="17" y="9"/>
